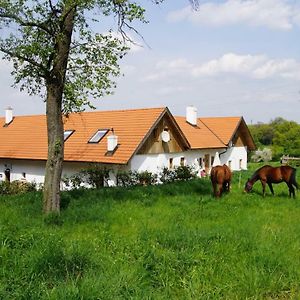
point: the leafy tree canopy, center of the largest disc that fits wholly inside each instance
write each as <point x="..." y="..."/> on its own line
<point x="30" y="39"/>
<point x="282" y="136"/>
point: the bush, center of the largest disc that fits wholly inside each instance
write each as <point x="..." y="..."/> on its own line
<point x="16" y="187"/>
<point x="95" y="176"/>
<point x="126" y="178"/>
<point x="167" y="176"/>
<point x="263" y="155"/>
<point x="132" y="178"/>
<point x="177" y="174"/>
<point x="73" y="182"/>
<point x="185" y="173"/>
<point x="146" y="178"/>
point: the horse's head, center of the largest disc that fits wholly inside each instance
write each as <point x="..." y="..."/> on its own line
<point x="248" y="186"/>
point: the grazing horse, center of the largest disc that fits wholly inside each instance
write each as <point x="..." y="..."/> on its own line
<point x="268" y="175"/>
<point x="220" y="177"/>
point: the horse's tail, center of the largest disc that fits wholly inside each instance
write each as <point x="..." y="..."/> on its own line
<point x="293" y="179"/>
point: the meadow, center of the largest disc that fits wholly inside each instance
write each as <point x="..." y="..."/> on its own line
<point x="173" y="241"/>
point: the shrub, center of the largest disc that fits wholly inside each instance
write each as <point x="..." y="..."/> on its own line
<point x="146" y="178"/>
<point x="126" y="178"/>
<point x="96" y="176"/>
<point x="73" y="182"/>
<point x="167" y="176"/>
<point x="177" y="174"/>
<point x="16" y="187"/>
<point x="132" y="178"/>
<point x="4" y="188"/>
<point x="185" y="173"/>
<point x="263" y="155"/>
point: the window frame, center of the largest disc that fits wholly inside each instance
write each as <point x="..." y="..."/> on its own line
<point x="182" y="161"/>
<point x="71" y="132"/>
<point x="171" y="163"/>
<point x="95" y="134"/>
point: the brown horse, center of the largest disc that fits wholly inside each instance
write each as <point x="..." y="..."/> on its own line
<point x="268" y="175"/>
<point x="220" y="177"/>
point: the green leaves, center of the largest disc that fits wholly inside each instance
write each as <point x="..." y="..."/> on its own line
<point x="281" y="135"/>
<point x="31" y="32"/>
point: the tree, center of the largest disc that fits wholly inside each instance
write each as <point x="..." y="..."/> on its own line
<point x="282" y="136"/>
<point x="55" y="54"/>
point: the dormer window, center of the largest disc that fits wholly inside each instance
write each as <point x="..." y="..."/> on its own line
<point x="67" y="134"/>
<point x="98" y="136"/>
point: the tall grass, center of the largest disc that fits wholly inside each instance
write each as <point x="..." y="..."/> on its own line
<point x="159" y="242"/>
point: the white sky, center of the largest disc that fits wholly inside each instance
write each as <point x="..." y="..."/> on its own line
<point x="229" y="58"/>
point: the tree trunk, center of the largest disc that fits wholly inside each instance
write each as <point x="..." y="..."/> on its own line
<point x="55" y="149"/>
<point x="55" y="87"/>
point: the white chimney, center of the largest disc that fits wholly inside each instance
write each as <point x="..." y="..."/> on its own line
<point x="8" y="115"/>
<point x="112" y="142"/>
<point x="191" y="115"/>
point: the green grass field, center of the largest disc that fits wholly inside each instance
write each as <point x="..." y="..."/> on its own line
<point x="159" y="242"/>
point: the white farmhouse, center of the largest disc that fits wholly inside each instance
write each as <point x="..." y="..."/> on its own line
<point x="216" y="140"/>
<point x="138" y="139"/>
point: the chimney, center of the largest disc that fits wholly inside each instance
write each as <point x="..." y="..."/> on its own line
<point x="8" y="115"/>
<point x="112" y="141"/>
<point x="191" y="115"/>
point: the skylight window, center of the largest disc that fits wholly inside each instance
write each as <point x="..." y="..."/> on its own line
<point x="97" y="137"/>
<point x="67" y="134"/>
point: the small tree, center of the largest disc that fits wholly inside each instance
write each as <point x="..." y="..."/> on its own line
<point x="264" y="155"/>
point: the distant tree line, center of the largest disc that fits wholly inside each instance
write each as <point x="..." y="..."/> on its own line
<point x="279" y="135"/>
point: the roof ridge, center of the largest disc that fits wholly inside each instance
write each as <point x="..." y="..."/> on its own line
<point x="97" y="111"/>
<point x="199" y="118"/>
<point x="221" y="117"/>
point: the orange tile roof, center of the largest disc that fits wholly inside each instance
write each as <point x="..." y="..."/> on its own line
<point x="223" y="127"/>
<point x="215" y="132"/>
<point x="26" y="136"/>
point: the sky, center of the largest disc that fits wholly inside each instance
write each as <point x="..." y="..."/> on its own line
<point x="227" y="58"/>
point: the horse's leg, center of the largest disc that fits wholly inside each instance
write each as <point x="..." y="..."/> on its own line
<point x="271" y="188"/>
<point x="215" y="189"/>
<point x="219" y="190"/>
<point x="291" y="190"/>
<point x="263" y="183"/>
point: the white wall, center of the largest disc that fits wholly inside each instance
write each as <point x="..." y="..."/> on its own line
<point x="235" y="157"/>
<point x="34" y="170"/>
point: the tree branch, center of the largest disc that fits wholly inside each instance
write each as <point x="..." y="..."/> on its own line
<point x="24" y="23"/>
<point x="29" y="60"/>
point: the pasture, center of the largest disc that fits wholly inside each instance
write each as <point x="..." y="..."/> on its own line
<point x="159" y="242"/>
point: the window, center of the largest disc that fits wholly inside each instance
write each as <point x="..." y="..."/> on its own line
<point x="229" y="164"/>
<point x="212" y="158"/>
<point x="200" y="160"/>
<point x="240" y="163"/>
<point x="24" y="175"/>
<point x="171" y="163"/>
<point x="182" y="161"/>
<point x="67" y="134"/>
<point x="97" y="137"/>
